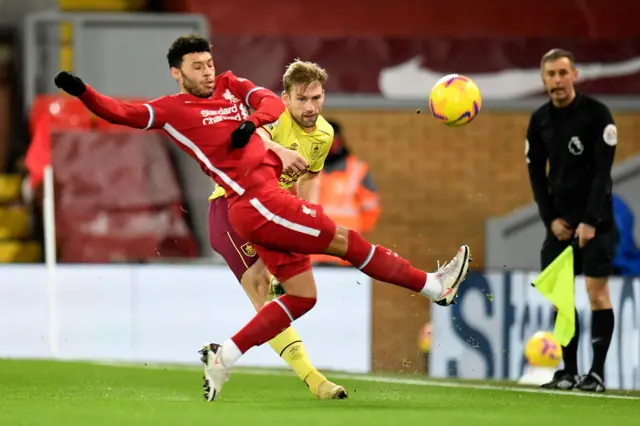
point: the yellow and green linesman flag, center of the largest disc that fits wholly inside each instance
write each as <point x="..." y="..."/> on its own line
<point x="556" y="284"/>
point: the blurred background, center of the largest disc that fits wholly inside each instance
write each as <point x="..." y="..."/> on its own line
<point x="132" y="260"/>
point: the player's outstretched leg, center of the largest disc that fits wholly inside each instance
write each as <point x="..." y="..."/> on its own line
<point x="306" y="229"/>
<point x="302" y="227"/>
<point x="384" y="265"/>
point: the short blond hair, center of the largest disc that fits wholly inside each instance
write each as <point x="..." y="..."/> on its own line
<point x="302" y="72"/>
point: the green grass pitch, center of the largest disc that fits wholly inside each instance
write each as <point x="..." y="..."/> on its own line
<point x="70" y="393"/>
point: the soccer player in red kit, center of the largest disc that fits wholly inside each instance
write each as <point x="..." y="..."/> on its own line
<point x="209" y="120"/>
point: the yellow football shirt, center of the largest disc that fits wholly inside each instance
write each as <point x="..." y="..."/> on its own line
<point x="313" y="146"/>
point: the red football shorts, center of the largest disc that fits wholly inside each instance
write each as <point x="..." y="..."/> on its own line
<point x="283" y="228"/>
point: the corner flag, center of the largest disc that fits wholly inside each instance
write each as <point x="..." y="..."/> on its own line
<point x="556" y="284"/>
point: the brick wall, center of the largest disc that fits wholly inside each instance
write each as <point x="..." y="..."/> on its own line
<point x="438" y="185"/>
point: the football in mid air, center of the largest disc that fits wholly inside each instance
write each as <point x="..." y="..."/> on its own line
<point x="543" y="350"/>
<point x="455" y="100"/>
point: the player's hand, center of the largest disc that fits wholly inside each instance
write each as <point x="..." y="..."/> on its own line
<point x="292" y="162"/>
<point x="585" y="233"/>
<point x="241" y="136"/>
<point x="561" y="229"/>
<point x="70" y="83"/>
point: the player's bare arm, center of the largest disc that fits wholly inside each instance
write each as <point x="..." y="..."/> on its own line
<point x="309" y="187"/>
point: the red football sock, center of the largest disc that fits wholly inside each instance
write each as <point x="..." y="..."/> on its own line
<point x="382" y="264"/>
<point x="271" y="320"/>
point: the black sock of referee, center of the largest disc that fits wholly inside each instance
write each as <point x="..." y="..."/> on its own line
<point x="570" y="352"/>
<point x="602" y="323"/>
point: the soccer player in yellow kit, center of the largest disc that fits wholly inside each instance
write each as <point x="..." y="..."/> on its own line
<point x="300" y="128"/>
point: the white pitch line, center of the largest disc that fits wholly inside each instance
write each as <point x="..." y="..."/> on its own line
<point x="400" y="381"/>
<point x="462" y="385"/>
<point x="445" y="384"/>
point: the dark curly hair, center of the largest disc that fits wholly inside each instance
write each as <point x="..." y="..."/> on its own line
<point x="192" y="43"/>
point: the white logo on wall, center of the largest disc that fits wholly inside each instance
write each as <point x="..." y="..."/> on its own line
<point x="400" y="81"/>
<point x="610" y="135"/>
<point x="575" y="146"/>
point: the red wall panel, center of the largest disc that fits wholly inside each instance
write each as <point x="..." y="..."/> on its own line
<point x="422" y="18"/>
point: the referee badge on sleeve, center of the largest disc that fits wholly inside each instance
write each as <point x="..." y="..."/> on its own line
<point x="610" y="135"/>
<point x="271" y="126"/>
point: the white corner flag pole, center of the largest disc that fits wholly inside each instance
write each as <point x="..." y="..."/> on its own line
<point x="50" y="259"/>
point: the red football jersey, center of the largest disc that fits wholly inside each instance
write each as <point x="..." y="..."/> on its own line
<point x="202" y="127"/>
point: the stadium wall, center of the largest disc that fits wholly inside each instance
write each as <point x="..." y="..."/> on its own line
<point x="165" y="313"/>
<point x="484" y="335"/>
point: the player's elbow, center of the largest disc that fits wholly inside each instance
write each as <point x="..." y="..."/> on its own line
<point x="274" y="106"/>
<point x="243" y="134"/>
<point x="238" y="143"/>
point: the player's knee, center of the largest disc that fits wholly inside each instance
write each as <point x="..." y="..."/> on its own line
<point x="340" y="242"/>
<point x="598" y="290"/>
<point x="262" y="290"/>
<point x="301" y="285"/>
<point x="295" y="289"/>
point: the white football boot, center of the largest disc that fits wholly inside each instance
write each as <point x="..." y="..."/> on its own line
<point x="452" y="274"/>
<point x="215" y="373"/>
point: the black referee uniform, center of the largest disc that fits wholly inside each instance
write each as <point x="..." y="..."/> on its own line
<point x="579" y="142"/>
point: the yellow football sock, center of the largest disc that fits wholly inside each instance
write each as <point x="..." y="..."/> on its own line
<point x="288" y="345"/>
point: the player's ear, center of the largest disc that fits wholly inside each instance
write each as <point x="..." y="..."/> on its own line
<point x="175" y="73"/>
<point x="285" y="96"/>
<point x="576" y="73"/>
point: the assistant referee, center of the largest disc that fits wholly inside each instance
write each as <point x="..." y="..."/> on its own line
<point x="576" y="134"/>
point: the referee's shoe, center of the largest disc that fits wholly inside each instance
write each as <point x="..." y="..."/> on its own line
<point x="562" y="380"/>
<point x="592" y="382"/>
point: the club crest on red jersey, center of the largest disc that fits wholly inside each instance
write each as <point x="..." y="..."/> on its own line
<point x="230" y="97"/>
<point x="248" y="250"/>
